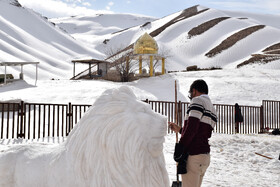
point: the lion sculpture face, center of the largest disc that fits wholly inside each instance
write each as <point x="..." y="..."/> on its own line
<point x="118" y="142"/>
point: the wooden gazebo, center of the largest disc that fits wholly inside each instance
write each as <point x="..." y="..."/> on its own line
<point x="102" y="67"/>
<point x="5" y="64"/>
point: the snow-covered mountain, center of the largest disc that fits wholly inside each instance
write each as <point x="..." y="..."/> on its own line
<point x="197" y="36"/>
<point x="92" y="29"/>
<point x="27" y="36"/>
<point x="194" y="36"/>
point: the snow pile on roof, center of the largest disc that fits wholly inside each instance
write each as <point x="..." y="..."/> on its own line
<point x="118" y="142"/>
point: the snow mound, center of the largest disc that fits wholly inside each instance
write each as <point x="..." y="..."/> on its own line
<point x="118" y="142"/>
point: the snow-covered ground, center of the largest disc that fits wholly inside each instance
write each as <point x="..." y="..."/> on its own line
<point x="234" y="162"/>
<point x="246" y="86"/>
<point x="233" y="159"/>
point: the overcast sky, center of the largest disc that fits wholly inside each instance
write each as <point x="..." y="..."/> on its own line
<point x="154" y="8"/>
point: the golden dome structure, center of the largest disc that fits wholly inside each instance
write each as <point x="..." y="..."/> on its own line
<point x="145" y="45"/>
<point x="146" y="48"/>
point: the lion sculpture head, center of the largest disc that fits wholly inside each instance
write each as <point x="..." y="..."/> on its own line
<point x="118" y="142"/>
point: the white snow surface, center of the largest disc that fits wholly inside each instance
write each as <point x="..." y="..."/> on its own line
<point x="233" y="158"/>
<point x="246" y="86"/>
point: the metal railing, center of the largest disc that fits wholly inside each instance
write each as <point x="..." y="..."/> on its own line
<point x="256" y="118"/>
<point x="37" y="120"/>
<point x="271" y="114"/>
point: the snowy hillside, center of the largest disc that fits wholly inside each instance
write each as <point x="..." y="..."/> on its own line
<point x="189" y="35"/>
<point x="27" y="36"/>
<point x="194" y="36"/>
<point x="94" y="28"/>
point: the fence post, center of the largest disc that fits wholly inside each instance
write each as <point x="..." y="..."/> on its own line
<point x="261" y="119"/>
<point x="69" y="115"/>
<point x="21" y="113"/>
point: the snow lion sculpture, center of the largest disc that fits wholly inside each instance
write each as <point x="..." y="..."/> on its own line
<point x="117" y="143"/>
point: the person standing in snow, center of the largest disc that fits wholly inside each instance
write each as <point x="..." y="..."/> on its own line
<point x="198" y="126"/>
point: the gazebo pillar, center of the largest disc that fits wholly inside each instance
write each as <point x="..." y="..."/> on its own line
<point x="21" y="72"/>
<point x="151" y="66"/>
<point x="127" y="64"/>
<point x="5" y="78"/>
<point x="89" y="69"/>
<point x="140" y="64"/>
<point x="36" y="74"/>
<point x="162" y="66"/>
<point x="74" y="69"/>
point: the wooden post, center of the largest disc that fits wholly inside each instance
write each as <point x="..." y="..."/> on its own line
<point x="176" y="110"/>
<point x="5" y="78"/>
<point x="264" y="156"/>
<point x="180" y="117"/>
<point x="176" y="121"/>
<point x="163" y="66"/>
<point x="89" y="69"/>
<point x="151" y="66"/>
<point x="74" y="69"/>
<point x="36" y="74"/>
<point x="2" y="123"/>
<point x="127" y="65"/>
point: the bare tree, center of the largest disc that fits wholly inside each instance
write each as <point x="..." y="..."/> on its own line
<point x="124" y="64"/>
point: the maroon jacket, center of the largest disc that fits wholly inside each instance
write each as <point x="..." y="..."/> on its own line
<point x="200" y="121"/>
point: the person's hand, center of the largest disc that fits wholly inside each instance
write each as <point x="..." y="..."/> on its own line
<point x="173" y="126"/>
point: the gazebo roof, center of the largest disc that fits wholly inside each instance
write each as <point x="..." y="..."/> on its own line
<point x="16" y="63"/>
<point x="90" y="61"/>
<point x="145" y="45"/>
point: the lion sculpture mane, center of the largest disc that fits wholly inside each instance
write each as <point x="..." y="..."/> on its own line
<point x="118" y="142"/>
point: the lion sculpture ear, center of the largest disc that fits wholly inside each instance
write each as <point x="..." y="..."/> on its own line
<point x="123" y="93"/>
